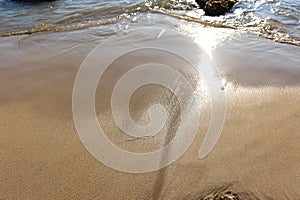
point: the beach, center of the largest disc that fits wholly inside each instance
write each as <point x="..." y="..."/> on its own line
<point x="256" y="156"/>
<point x="42" y="156"/>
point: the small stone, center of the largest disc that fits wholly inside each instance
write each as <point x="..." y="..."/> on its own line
<point x="228" y="195"/>
<point x="216" y="7"/>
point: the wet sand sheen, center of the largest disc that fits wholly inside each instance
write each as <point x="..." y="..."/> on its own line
<point x="42" y="156"/>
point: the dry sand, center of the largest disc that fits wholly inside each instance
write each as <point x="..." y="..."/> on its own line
<point x="42" y="157"/>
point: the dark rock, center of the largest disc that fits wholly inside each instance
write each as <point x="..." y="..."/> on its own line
<point x="216" y="7"/>
<point x="32" y="1"/>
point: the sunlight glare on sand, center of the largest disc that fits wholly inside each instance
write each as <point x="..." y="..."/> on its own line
<point x="208" y="38"/>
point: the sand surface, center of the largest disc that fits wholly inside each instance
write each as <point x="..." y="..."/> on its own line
<point x="42" y="157"/>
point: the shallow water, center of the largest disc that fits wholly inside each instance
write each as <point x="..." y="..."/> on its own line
<point x="275" y="19"/>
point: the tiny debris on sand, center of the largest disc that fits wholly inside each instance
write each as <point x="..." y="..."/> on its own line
<point x="228" y="195"/>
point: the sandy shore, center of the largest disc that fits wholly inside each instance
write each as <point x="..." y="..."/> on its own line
<point x="42" y="156"/>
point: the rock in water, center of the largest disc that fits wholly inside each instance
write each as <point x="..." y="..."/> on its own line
<point x="216" y="7"/>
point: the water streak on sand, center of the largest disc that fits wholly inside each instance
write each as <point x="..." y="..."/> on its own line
<point x="49" y="28"/>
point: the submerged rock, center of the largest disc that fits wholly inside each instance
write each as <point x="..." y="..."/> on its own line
<point x="216" y="7"/>
<point x="32" y="1"/>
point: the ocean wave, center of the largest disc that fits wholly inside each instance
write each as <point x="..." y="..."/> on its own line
<point x="278" y="20"/>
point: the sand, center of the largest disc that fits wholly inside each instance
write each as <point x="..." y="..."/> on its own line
<point x="42" y="157"/>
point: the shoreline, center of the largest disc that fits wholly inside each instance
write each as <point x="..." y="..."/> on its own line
<point x="274" y="35"/>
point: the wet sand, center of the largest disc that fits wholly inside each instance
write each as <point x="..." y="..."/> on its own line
<point x="42" y="157"/>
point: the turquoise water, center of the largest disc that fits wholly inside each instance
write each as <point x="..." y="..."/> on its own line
<point x="275" y="19"/>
